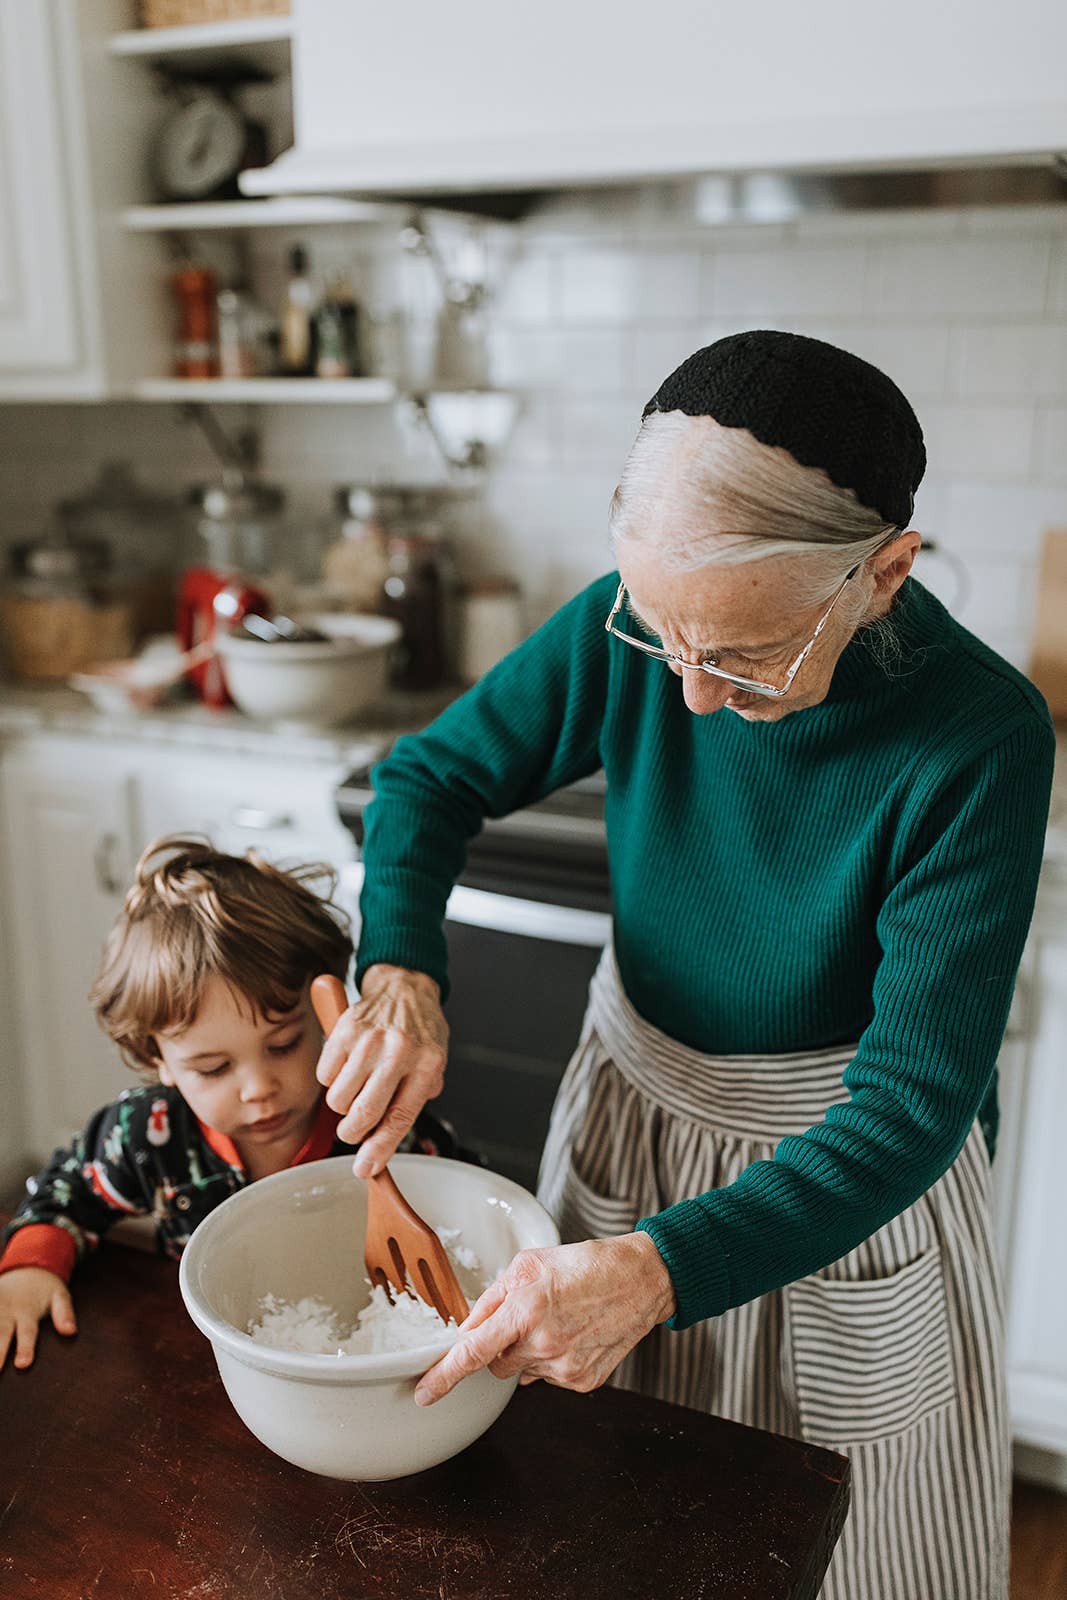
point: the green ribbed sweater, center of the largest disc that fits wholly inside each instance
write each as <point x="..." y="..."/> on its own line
<point x="863" y="869"/>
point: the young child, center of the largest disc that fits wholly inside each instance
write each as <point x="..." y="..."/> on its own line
<point x="203" y="985"/>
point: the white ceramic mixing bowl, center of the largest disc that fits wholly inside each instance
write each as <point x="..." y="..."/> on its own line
<point x="322" y="683"/>
<point x="301" y="1232"/>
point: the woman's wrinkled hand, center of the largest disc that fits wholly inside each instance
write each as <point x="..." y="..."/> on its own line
<point x="26" y="1295"/>
<point x="384" y="1060"/>
<point x="568" y="1314"/>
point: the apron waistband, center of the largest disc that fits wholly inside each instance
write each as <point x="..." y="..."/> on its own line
<point x="749" y="1097"/>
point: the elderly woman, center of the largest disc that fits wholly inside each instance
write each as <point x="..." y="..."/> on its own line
<point x="770" y="1154"/>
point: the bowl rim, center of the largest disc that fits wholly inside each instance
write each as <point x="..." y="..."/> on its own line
<point x="385" y="633"/>
<point x="240" y="1346"/>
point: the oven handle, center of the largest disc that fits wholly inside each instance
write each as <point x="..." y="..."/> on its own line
<point x="531" y="919"/>
<point x="505" y="913"/>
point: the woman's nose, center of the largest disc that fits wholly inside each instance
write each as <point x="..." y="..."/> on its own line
<point x="704" y="693"/>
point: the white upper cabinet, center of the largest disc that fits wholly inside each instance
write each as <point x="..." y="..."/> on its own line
<point x="480" y="95"/>
<point x="41" y="325"/>
<point x="79" y="306"/>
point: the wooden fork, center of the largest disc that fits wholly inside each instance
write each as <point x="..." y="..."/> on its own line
<point x="401" y="1248"/>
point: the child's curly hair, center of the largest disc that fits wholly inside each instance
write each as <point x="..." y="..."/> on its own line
<point x="193" y="913"/>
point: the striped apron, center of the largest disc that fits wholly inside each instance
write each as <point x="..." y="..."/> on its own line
<point x="891" y="1355"/>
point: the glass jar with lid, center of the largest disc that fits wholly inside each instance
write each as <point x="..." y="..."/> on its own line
<point x="241" y="523"/>
<point x="355" y="563"/>
<point x="62" y="607"/>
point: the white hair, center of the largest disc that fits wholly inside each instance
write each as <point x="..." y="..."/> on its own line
<point x="700" y="494"/>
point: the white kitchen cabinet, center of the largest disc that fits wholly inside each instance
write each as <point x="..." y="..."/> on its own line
<point x="67" y="849"/>
<point x="76" y="813"/>
<point x="246" y="803"/>
<point x="400" y="99"/>
<point x="1031" y="1208"/>
<point x="81" y="308"/>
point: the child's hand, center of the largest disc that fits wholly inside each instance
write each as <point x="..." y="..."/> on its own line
<point x="384" y="1060"/>
<point x="26" y="1295"/>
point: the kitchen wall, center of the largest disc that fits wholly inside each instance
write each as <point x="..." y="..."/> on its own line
<point x="596" y="299"/>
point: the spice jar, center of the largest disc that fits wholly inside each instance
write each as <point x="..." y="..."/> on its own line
<point x="196" y="347"/>
<point x="355" y="565"/>
<point x="414" y="595"/>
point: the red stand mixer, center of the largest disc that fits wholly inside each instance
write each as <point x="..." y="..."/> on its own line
<point x="198" y="620"/>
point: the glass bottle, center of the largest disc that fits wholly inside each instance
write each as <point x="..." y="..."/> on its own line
<point x="297" y="321"/>
<point x="414" y="595"/>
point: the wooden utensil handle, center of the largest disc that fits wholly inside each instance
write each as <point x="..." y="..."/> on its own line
<point x="329" y="1000"/>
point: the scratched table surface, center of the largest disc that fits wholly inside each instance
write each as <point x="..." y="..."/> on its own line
<point x="126" y="1475"/>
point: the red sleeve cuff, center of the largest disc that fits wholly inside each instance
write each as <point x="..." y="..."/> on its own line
<point x="39" y="1244"/>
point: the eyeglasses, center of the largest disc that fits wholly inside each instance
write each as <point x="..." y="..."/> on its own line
<point x="750" y="685"/>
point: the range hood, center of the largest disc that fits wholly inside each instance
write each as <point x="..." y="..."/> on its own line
<point x="478" y="98"/>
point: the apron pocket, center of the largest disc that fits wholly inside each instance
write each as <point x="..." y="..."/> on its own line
<point x="584" y="1214"/>
<point x="871" y="1358"/>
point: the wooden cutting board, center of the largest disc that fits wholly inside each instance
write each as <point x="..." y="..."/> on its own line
<point x="1048" y="662"/>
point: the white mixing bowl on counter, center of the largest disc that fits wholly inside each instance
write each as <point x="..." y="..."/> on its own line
<point x="301" y="1232"/>
<point x="324" y="682"/>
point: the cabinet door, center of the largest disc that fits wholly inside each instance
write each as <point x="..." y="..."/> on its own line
<point x="1037" y="1264"/>
<point x="66" y="833"/>
<point x="39" y="313"/>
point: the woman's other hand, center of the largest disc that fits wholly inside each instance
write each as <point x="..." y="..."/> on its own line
<point x="27" y="1294"/>
<point x="384" y="1060"/>
<point x="568" y="1314"/>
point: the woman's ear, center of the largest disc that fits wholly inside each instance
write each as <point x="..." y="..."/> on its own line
<point x="892" y="565"/>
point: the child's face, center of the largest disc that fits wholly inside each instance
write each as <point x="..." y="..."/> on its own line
<point x="252" y="1079"/>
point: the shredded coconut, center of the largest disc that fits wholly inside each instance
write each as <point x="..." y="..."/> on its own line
<point x="315" y="1328"/>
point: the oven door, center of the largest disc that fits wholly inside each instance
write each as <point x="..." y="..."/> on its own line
<point x="520" y="970"/>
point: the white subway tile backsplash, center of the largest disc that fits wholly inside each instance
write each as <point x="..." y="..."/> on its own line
<point x="582" y="360"/>
<point x="668" y="284"/>
<point x="527" y="289"/>
<point x="1050" y="448"/>
<point x="900" y="222"/>
<point x="1000" y="360"/>
<point x="656" y="350"/>
<point x="1057" y="296"/>
<point x="535" y="438"/>
<point x="1001" y="520"/>
<point x="960" y="277"/>
<point x="597" y="432"/>
<point x="598" y="285"/>
<point x="979" y="440"/>
<point x="762" y="284"/>
<point x="986" y="598"/>
<point x="1047" y="218"/>
<point x="1014" y="644"/>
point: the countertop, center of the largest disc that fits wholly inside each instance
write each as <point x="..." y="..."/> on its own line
<point x="125" y="1471"/>
<point x="27" y="709"/>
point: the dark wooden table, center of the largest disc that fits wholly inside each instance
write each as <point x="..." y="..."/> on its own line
<point x="126" y="1475"/>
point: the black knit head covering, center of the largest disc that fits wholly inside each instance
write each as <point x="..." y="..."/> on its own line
<point x="828" y="408"/>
